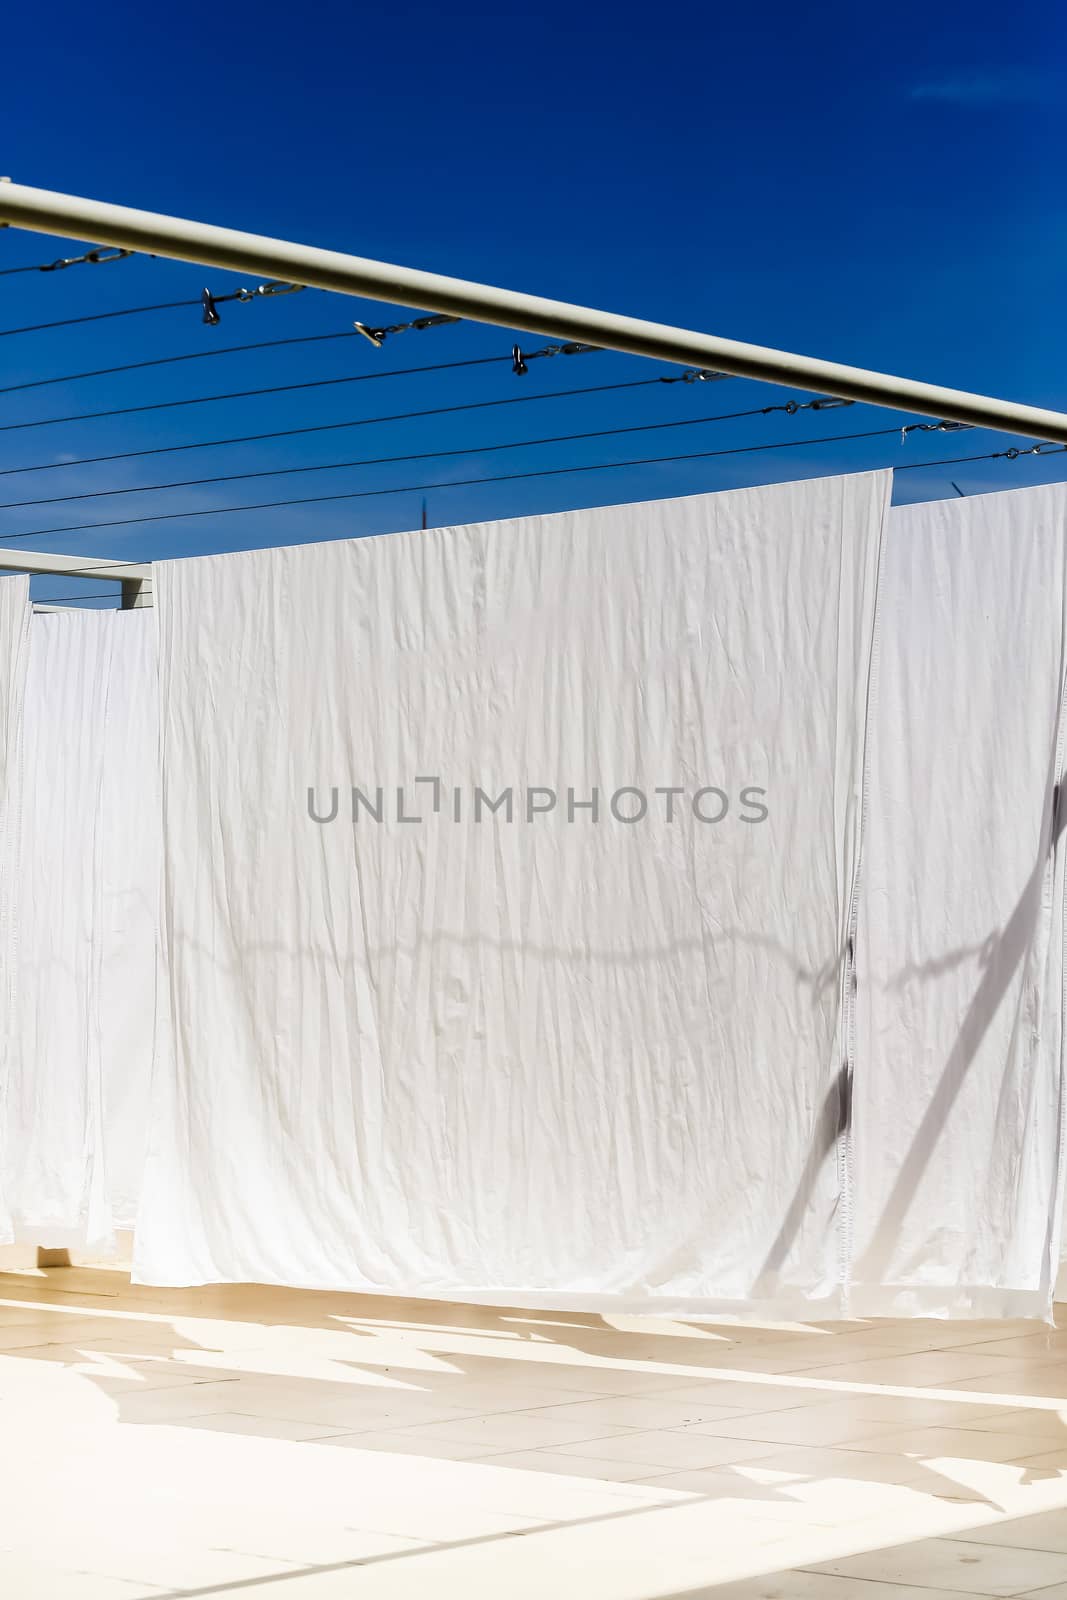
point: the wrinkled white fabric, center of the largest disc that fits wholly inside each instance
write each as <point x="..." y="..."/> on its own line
<point x="87" y="889"/>
<point x="575" y="1062"/>
<point x="14" y="650"/>
<point x="959" y="1091"/>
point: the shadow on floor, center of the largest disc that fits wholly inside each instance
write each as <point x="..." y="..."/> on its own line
<point x="448" y="1382"/>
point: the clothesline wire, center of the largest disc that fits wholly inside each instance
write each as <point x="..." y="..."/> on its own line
<point x="205" y="303"/>
<point x="98" y="255"/>
<point x="1012" y="454"/>
<point x="324" y="383"/>
<point x="331" y="427"/>
<point x="245" y="394"/>
<point x="82" y="599"/>
<point x="205" y="355"/>
<point x="99" y="316"/>
<point x="509" y="477"/>
<point x="422" y="455"/>
<point x="191" y="355"/>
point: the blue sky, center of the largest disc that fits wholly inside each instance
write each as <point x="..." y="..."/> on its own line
<point x="876" y="185"/>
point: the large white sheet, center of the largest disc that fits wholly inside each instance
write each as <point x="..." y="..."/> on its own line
<point x="14" y="642"/>
<point x="548" y="1060"/>
<point x="86" y="902"/>
<point x="959" y="1088"/>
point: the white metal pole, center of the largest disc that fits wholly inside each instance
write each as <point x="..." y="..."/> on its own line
<point x="135" y="577"/>
<point x="71" y="217"/>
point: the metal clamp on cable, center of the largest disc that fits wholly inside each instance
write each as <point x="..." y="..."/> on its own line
<point x="934" y="427"/>
<point x="378" y="336"/>
<point x="273" y="286"/>
<point x="92" y="257"/>
<point x="693" y="375"/>
<point x="1043" y="448"/>
<point x="562" y="350"/>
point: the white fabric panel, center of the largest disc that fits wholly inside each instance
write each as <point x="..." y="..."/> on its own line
<point x="14" y="650"/>
<point x="86" y="913"/>
<point x="548" y="1061"/>
<point x="959" y="1093"/>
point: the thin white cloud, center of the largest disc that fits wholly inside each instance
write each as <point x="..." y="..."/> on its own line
<point x="991" y="88"/>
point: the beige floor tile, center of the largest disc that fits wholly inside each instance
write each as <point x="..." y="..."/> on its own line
<point x="1045" y="1461"/>
<point x="667" y="1448"/>
<point x="569" y="1466"/>
<point x="13" y="1318"/>
<point x="743" y="1483"/>
<point x="976" y="1569"/>
<point x="969" y="1444"/>
<point x="941" y="1335"/>
<point x="587" y="1376"/>
<point x="493" y="1398"/>
<point x="877" y="1406"/>
<point x="937" y="1368"/>
<point x="21" y="1336"/>
<point x="316" y="1545"/>
<point x="38" y="1337"/>
<point x="817" y="1586"/>
<point x="641" y="1412"/>
<point x="804" y="1425"/>
<point x="259" y="1427"/>
<point x="23" y="1578"/>
<point x="165" y="1405"/>
<point x="746" y="1398"/>
<point x="742" y="1358"/>
<point x="521" y="1430"/>
<point x="857" y="1347"/>
<point x="946" y="1412"/>
<point x="407" y="1442"/>
<point x="151" y="1345"/>
<point x="827" y="1464"/>
<point x="1040" y="1345"/>
<point x="1046" y="1531"/>
<point x="1048" y="1381"/>
<point x="349" y="1408"/>
<point x="1049" y="1425"/>
<point x="169" y="1564"/>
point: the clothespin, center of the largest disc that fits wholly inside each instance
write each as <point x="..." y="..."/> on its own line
<point x="376" y="336"/>
<point x="211" y="315"/>
<point x="518" y="362"/>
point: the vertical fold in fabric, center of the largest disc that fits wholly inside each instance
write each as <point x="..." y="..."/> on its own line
<point x="959" y="1085"/>
<point x="507" y="882"/>
<point x="85" y="909"/>
<point x="14" y="650"/>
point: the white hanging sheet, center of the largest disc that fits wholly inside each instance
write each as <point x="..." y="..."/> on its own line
<point x="958" y="1101"/>
<point x="537" y="1058"/>
<point x="14" y="649"/>
<point x="86" y="902"/>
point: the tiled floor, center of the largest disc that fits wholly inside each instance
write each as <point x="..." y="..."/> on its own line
<point x="244" y="1442"/>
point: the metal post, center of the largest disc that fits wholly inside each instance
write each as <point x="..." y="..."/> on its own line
<point x="72" y="217"/>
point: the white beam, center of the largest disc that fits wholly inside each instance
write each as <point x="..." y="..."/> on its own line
<point x="71" y="217"/>
<point x="41" y="563"/>
<point x="135" y="577"/>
